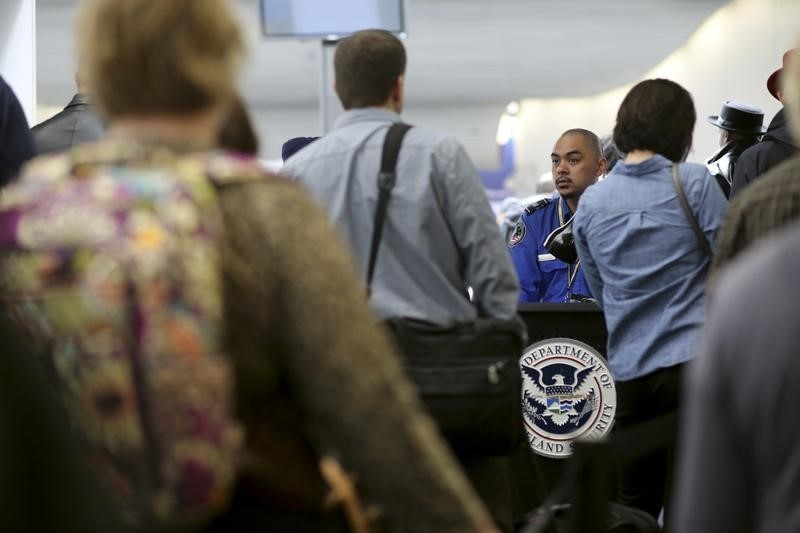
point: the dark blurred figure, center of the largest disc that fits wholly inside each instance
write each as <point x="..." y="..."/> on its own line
<point x="740" y="126"/>
<point x="610" y="152"/>
<point x="294" y="145"/>
<point x="773" y="201"/>
<point x="647" y="268"/>
<point x="237" y="133"/>
<point x="764" y="208"/>
<point x="46" y="485"/>
<point x="775" y="147"/>
<point x="16" y="142"/>
<point x="76" y="124"/>
<point x="739" y="460"/>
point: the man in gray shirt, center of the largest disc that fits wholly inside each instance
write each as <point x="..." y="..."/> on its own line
<point x="440" y="236"/>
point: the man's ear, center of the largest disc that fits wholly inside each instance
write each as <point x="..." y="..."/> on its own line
<point x="601" y="166"/>
<point x="398" y="92"/>
<point x="339" y="96"/>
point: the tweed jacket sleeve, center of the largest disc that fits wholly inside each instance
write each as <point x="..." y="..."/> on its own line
<point x="296" y="286"/>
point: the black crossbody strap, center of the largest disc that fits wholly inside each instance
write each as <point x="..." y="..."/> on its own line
<point x="676" y="179"/>
<point x="386" y="180"/>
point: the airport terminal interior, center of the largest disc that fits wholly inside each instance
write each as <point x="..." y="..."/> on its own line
<point x="399" y="265"/>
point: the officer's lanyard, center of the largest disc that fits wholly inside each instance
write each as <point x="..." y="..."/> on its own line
<point x="570" y="273"/>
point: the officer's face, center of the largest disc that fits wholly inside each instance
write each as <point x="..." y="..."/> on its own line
<point x="575" y="165"/>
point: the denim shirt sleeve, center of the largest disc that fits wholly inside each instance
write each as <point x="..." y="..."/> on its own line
<point x="590" y="272"/>
<point x="487" y="266"/>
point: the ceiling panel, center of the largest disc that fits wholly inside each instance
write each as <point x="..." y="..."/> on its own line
<point x="460" y="51"/>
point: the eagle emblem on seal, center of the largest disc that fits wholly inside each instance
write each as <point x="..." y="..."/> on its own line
<point x="562" y="395"/>
<point x="568" y="394"/>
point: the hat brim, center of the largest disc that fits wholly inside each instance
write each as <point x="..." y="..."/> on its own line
<point x="772" y="83"/>
<point x="714" y="120"/>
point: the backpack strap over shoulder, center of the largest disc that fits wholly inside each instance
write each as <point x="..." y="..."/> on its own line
<point x="386" y="180"/>
<point x="701" y="238"/>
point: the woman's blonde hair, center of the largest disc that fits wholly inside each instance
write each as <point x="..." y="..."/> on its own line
<point x="148" y="57"/>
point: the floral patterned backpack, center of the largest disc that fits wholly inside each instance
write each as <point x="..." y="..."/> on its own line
<point x="108" y="260"/>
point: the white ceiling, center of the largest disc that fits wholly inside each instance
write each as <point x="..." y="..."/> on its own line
<point x="461" y="52"/>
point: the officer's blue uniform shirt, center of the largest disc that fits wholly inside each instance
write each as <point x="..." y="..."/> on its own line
<point x="542" y="277"/>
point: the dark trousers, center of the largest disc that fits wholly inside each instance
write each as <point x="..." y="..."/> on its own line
<point x="645" y="483"/>
<point x="252" y="511"/>
<point x="491" y="479"/>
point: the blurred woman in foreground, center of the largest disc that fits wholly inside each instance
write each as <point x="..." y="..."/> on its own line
<point x="647" y="267"/>
<point x="208" y="334"/>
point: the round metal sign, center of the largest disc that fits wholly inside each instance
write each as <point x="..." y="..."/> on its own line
<point x="567" y="394"/>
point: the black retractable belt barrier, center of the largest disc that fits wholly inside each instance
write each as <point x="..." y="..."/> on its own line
<point x="587" y="480"/>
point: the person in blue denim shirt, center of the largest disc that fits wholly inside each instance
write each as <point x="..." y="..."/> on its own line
<point x="577" y="163"/>
<point x="646" y="266"/>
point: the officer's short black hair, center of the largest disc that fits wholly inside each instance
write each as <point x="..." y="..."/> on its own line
<point x="591" y="139"/>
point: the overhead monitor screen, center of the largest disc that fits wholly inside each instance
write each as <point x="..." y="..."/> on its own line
<point x="323" y="18"/>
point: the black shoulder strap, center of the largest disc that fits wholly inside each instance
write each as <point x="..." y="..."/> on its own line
<point x="386" y="181"/>
<point x="688" y="211"/>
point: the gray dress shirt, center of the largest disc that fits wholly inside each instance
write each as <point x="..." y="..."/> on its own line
<point x="440" y="236"/>
<point x="75" y="124"/>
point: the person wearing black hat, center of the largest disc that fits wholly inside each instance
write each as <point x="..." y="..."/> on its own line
<point x="776" y="146"/>
<point x="740" y="126"/>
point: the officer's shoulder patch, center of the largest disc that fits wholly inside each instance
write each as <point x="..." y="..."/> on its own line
<point x="544" y="202"/>
<point x="517" y="235"/>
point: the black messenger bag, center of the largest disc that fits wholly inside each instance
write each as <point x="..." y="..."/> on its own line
<point x="467" y="374"/>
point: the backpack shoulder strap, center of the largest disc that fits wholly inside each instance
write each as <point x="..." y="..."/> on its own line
<point x="386" y="180"/>
<point x="701" y="238"/>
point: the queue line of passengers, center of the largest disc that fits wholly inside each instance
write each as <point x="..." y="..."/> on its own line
<point x="205" y="322"/>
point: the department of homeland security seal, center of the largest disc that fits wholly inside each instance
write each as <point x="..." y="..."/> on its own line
<point x="567" y="394"/>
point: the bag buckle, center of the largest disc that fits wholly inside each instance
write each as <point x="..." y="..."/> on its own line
<point x="386" y="180"/>
<point x="493" y="372"/>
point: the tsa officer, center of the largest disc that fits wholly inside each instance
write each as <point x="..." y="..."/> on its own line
<point x="577" y="163"/>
